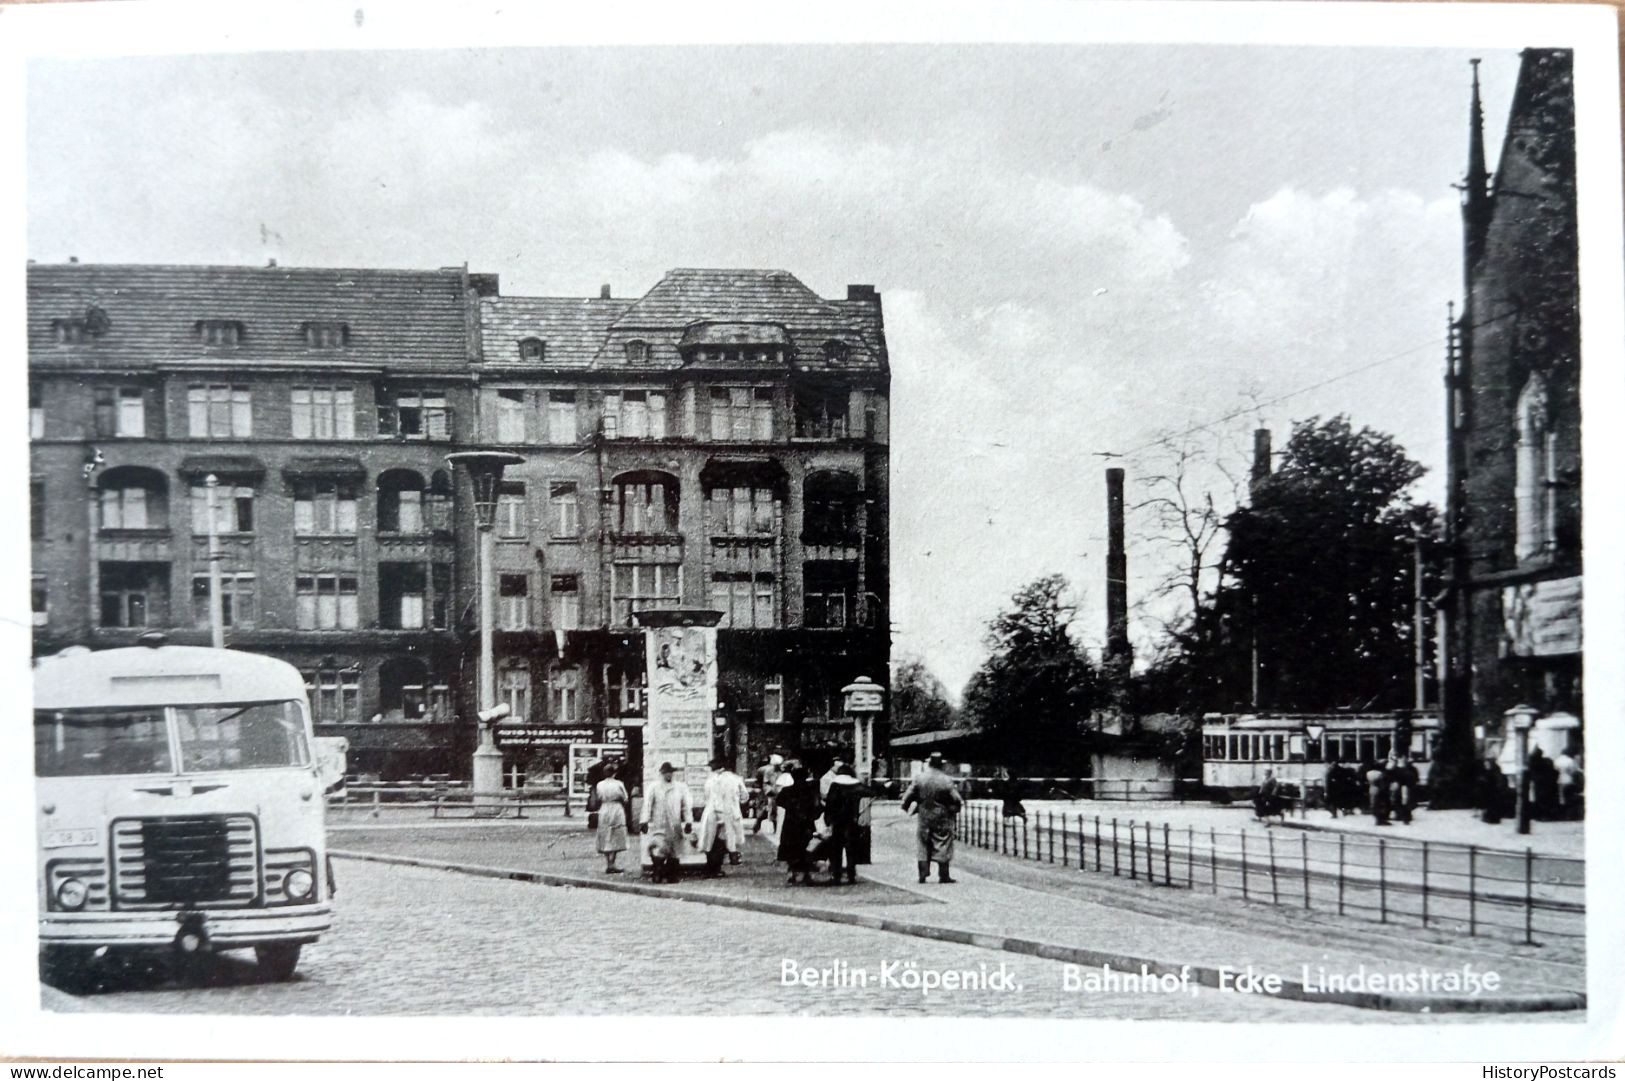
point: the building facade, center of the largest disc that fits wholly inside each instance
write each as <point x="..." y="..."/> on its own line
<point x="1514" y="605"/>
<point x="716" y="446"/>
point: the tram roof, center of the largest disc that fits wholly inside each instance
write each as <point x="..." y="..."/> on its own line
<point x="1332" y="722"/>
<point x="162" y="676"/>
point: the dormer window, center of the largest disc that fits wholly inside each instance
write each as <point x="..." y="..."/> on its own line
<point x="70" y="330"/>
<point x="637" y="352"/>
<point x="219" y="331"/>
<point x="837" y="351"/>
<point x="327" y="335"/>
<point x="532" y="349"/>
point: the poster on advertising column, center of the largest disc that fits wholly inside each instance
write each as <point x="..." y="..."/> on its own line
<point x="682" y="665"/>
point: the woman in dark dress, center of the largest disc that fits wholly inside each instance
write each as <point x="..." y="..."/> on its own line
<point x="799" y="802"/>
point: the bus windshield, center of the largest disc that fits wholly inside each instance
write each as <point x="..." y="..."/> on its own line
<point x="91" y="742"/>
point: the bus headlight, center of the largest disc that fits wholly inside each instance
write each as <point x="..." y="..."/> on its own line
<point x="72" y="894"/>
<point x="299" y="884"/>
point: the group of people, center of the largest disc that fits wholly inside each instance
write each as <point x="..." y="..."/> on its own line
<point x="1388" y="791"/>
<point x="786" y="796"/>
<point x="1555" y="788"/>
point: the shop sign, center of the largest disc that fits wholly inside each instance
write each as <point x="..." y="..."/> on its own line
<point x="511" y="737"/>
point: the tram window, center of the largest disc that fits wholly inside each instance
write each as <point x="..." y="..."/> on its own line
<point x="1311" y="749"/>
<point x="90" y="743"/>
<point x="1277" y="748"/>
<point x="1384" y="744"/>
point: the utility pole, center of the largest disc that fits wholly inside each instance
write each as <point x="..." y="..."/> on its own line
<point x="217" y="605"/>
<point x="1419" y="625"/>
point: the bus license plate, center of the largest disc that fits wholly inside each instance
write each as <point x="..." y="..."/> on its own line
<point x="69" y="838"/>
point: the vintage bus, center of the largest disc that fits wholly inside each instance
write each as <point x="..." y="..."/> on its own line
<point x="179" y="805"/>
<point x="1238" y="749"/>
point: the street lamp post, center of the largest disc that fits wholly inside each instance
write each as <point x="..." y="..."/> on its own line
<point x="1522" y="719"/>
<point x="485" y="471"/>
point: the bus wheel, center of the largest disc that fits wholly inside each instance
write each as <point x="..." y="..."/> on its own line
<point x="277" y="960"/>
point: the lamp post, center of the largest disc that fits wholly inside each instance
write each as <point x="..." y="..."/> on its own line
<point x="1522" y="719"/>
<point x="485" y="469"/>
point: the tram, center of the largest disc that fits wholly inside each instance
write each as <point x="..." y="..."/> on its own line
<point x="1238" y="749"/>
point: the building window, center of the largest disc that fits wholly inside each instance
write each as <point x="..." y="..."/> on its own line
<point x="402" y="596"/>
<point x="645" y="503"/>
<point x="513" y="519"/>
<point x="323" y="413"/>
<point x="124" y="508"/>
<point x="324" y="602"/>
<point x="132" y="594"/>
<point x="513" y="687"/>
<point x="532" y="349"/>
<point x="510" y="416"/>
<point x="233" y="509"/>
<point x="773" y="700"/>
<point x="326" y="335"/>
<point x="821" y="414"/>
<point x="513" y="602"/>
<point x="561" y="416"/>
<point x="68" y="331"/>
<point x="120" y="412"/>
<point x="634" y="414"/>
<point x="1535" y="488"/>
<point x="741" y="414"/>
<point x="628" y="689"/>
<point x="829" y="511"/>
<point x="400" y="511"/>
<point x="335" y="695"/>
<point x="237" y="606"/>
<point x="324" y="508"/>
<point x="405" y="506"/>
<point x="566" y="602"/>
<point x="637" y="351"/>
<point x="642" y="587"/>
<point x="740" y="512"/>
<point x="830" y="594"/>
<point x="565" y="510"/>
<point x="219" y="331"/>
<point x="563" y="694"/>
<point x="36" y="412"/>
<point x="745" y="600"/>
<point x="39" y="596"/>
<point x="836" y="351"/>
<point x="416" y="415"/>
<point x="36" y="508"/>
<point x="219" y="412"/>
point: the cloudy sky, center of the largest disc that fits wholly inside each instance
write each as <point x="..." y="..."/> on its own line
<point x="1080" y="248"/>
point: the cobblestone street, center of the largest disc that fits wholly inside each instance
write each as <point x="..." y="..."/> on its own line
<point x="418" y="941"/>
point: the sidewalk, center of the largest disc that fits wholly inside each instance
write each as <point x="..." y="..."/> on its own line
<point x="998" y="904"/>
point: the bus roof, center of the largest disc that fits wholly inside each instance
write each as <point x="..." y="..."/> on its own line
<point x="162" y="676"/>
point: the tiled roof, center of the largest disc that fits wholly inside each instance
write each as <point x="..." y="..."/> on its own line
<point x="572" y="329"/>
<point x="396" y="319"/>
<point x="596" y="332"/>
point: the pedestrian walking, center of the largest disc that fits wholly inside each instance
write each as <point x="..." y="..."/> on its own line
<point x="1569" y="786"/>
<point x="1008" y="789"/>
<point x="1402" y="786"/>
<point x="613" y="801"/>
<point x="841" y="810"/>
<point x="1268" y="801"/>
<point x="767" y="793"/>
<point x="935" y="798"/>
<point x="668" y="817"/>
<point x="722" y="825"/>
<point x="1492" y="792"/>
<point x="799" y="802"/>
<point x="1542" y="784"/>
<point x="1342" y="789"/>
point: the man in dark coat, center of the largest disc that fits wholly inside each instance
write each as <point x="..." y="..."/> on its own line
<point x="938" y="801"/>
<point x="799" y="802"/>
<point x="1492" y="791"/>
<point x="841" y="808"/>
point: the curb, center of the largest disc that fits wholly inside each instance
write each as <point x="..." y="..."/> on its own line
<point x="1204" y="975"/>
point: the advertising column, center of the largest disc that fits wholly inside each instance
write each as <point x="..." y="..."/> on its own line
<point x="682" y="664"/>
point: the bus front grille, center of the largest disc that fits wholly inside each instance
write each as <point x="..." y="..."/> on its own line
<point x="184" y="861"/>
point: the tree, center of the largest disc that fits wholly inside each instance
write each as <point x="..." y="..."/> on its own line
<point x="1320" y="578"/>
<point x="1034" y="693"/>
<point x="919" y="702"/>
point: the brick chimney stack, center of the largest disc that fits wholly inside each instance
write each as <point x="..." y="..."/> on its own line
<point x="1261" y="459"/>
<point x="1118" y="653"/>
